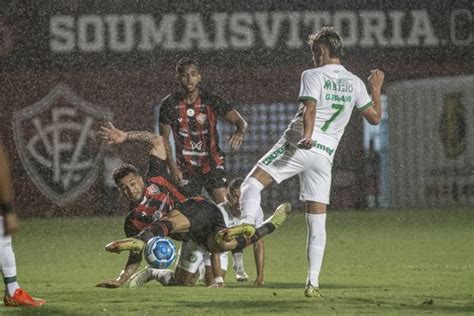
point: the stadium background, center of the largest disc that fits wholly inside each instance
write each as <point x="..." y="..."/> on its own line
<point x="68" y="66"/>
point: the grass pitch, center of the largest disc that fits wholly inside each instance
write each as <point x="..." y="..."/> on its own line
<point x="395" y="262"/>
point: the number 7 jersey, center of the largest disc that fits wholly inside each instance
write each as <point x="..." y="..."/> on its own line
<point x="336" y="91"/>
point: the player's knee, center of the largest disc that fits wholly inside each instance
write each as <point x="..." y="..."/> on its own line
<point x="251" y="184"/>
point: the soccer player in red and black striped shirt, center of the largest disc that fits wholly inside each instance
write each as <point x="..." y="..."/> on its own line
<point x="151" y="198"/>
<point x="191" y="115"/>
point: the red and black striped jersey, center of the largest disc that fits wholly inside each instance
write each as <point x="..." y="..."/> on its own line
<point x="194" y="129"/>
<point x="159" y="198"/>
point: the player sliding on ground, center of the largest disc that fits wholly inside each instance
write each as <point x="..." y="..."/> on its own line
<point x="150" y="198"/>
<point x="195" y="219"/>
<point x="203" y="222"/>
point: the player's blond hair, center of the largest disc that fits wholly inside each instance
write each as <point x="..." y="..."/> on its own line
<point x="328" y="37"/>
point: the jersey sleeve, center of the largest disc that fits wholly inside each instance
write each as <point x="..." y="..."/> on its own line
<point x="220" y="106"/>
<point x="129" y="227"/>
<point x="166" y="111"/>
<point x="310" y="87"/>
<point x="363" y="99"/>
<point x="157" y="167"/>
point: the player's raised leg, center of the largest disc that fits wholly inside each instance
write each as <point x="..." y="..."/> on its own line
<point x="242" y="240"/>
<point x="125" y="244"/>
<point x="250" y="198"/>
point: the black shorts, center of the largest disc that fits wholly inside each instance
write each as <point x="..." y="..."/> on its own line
<point x="205" y="217"/>
<point x="214" y="179"/>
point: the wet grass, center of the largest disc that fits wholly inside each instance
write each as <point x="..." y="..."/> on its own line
<point x="396" y="262"/>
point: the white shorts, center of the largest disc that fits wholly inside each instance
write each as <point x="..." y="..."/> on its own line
<point x="224" y="260"/>
<point x="284" y="161"/>
<point x="191" y="257"/>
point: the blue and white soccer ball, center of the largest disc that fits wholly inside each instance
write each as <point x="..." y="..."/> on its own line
<point x="160" y="252"/>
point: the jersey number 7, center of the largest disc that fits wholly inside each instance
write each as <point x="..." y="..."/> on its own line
<point x="338" y="108"/>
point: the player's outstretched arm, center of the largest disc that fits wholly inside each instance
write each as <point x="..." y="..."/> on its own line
<point x="259" y="256"/>
<point x="131" y="267"/>
<point x="217" y="271"/>
<point x="113" y="135"/>
<point x="374" y="113"/>
<point x="241" y="125"/>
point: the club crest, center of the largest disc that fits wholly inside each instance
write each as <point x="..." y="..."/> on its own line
<point x="57" y="144"/>
<point x="201" y="118"/>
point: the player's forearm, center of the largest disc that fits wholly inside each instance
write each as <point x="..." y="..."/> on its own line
<point x="216" y="267"/>
<point x="377" y="103"/>
<point x="259" y="255"/>
<point x="142" y="136"/>
<point x="127" y="272"/>
<point x="241" y="126"/>
<point x="309" y="117"/>
<point x="238" y="121"/>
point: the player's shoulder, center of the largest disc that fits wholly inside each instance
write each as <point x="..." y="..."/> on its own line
<point x="210" y="97"/>
<point x="312" y="74"/>
<point x="171" y="98"/>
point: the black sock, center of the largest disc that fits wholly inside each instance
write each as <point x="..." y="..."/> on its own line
<point x="244" y="241"/>
<point x="265" y="229"/>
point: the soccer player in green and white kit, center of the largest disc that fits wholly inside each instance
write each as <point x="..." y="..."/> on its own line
<point x="328" y="93"/>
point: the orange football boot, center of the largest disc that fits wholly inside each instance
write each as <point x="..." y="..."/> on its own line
<point x="22" y="298"/>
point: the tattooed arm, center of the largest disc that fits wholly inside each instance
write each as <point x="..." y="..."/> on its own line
<point x="113" y="135"/>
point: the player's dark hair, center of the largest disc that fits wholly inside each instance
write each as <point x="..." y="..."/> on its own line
<point x="235" y="183"/>
<point x="123" y="171"/>
<point x="185" y="61"/>
<point x="328" y="37"/>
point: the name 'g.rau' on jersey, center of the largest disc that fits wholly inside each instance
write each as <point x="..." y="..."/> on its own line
<point x="160" y="197"/>
<point x="336" y="91"/>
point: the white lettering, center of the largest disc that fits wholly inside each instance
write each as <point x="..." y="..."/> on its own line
<point x="90" y="33"/>
<point x="115" y="43"/>
<point x="374" y="25"/>
<point x="220" y="20"/>
<point x="453" y="20"/>
<point x="294" y="38"/>
<point x="194" y="31"/>
<point x="269" y="34"/>
<point x="220" y="30"/>
<point x="396" y="18"/>
<point x="151" y="36"/>
<point x="348" y="18"/>
<point x="421" y="28"/>
<point x="242" y="35"/>
<point x="63" y="38"/>
<point x="316" y="20"/>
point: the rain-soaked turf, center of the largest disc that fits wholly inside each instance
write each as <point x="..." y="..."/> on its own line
<point x="377" y="262"/>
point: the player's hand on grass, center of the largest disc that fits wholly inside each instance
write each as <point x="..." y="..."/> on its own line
<point x="236" y="140"/>
<point x="112" y="135"/>
<point x="109" y="284"/>
<point x="376" y="79"/>
<point x="305" y="143"/>
<point x="216" y="286"/>
<point x="259" y="282"/>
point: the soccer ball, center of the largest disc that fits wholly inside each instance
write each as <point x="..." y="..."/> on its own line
<point x="160" y="252"/>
